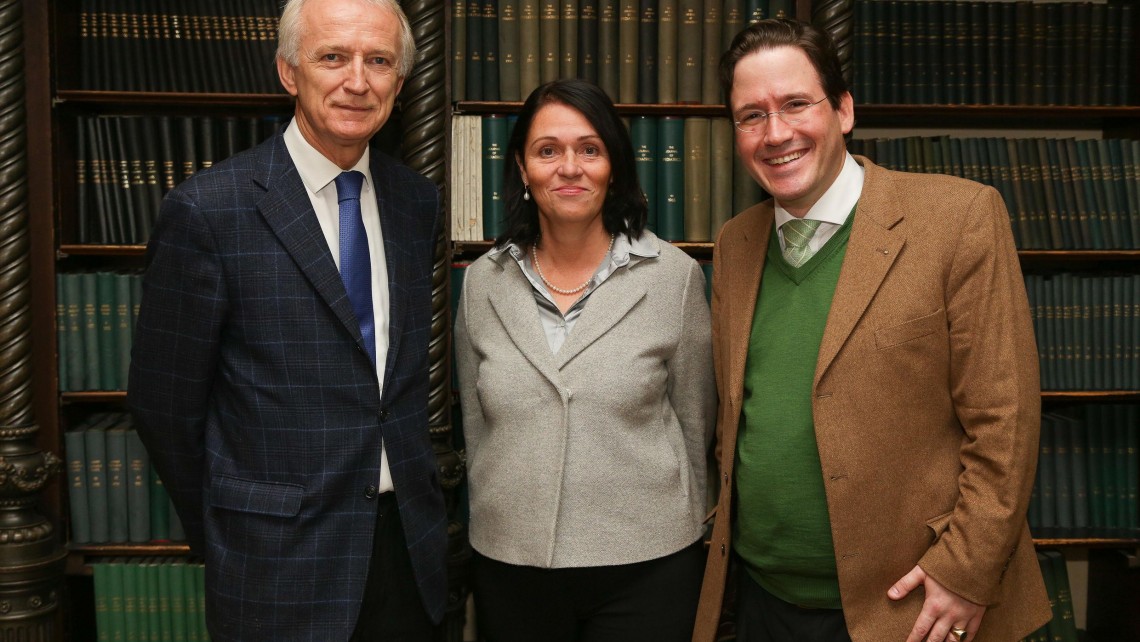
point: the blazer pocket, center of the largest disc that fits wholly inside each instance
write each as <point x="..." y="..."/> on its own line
<point x="259" y="497"/>
<point x="938" y="525"/>
<point x="910" y="330"/>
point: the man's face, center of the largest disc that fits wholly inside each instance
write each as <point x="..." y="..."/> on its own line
<point x="794" y="163"/>
<point x="345" y="81"/>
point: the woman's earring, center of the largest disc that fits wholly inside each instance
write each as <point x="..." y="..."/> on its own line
<point x="526" y="192"/>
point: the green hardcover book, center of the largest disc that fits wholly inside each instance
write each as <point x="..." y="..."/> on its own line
<point x="1118" y="327"/>
<point x="568" y="39"/>
<point x="491" y="50"/>
<point x="588" y="40"/>
<point x="1058" y="239"/>
<point x="75" y="454"/>
<point x="710" y="53"/>
<point x="530" y="76"/>
<point x="994" y="29"/>
<point x="1047" y="464"/>
<point x="75" y="353"/>
<point x="720" y="171"/>
<point x="1125" y="487"/>
<point x="1132" y="464"/>
<point x="117" y="505"/>
<point x="1087" y="172"/>
<point x="200" y="594"/>
<point x="1108" y="470"/>
<point x="1098" y="28"/>
<point x="647" y="71"/>
<point x="746" y="192"/>
<point x="473" y="85"/>
<point x="697" y="180"/>
<point x="690" y="32"/>
<point x="1067" y="194"/>
<point x="95" y="444"/>
<point x="548" y="32"/>
<point x="609" y="48"/>
<point x="116" y="600"/>
<point x="1053" y="54"/>
<point x="138" y="489"/>
<point x="905" y="62"/>
<point x="133" y="616"/>
<point x="148" y="604"/>
<point x="756" y="10"/>
<point x="508" y="35"/>
<point x="782" y="8"/>
<point x="629" y="56"/>
<point x="165" y="607"/>
<point x="190" y="590"/>
<point x="732" y="15"/>
<point x="458" y="49"/>
<point x="102" y="583"/>
<point x="1062" y="470"/>
<point x="62" y="338"/>
<point x="1068" y="623"/>
<point x="1105" y="201"/>
<point x="123" y="327"/>
<point x="671" y="179"/>
<point x="1112" y="159"/>
<point x="174" y="571"/>
<point x="1126" y="54"/>
<point x="494" y="145"/>
<point x="667" y="51"/>
<point x="646" y="156"/>
<point x="108" y="350"/>
<point x="1130" y="159"/>
<point x="1094" y="428"/>
<point x="89" y="326"/>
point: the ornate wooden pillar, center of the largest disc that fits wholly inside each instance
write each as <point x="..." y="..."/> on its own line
<point x="424" y="119"/>
<point x="837" y="17"/>
<point x="31" y="558"/>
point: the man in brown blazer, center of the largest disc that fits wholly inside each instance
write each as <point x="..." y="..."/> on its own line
<point x="879" y="394"/>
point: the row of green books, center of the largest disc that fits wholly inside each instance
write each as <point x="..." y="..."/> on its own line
<point x="114" y="494"/>
<point x="1088" y="330"/>
<point x="691" y="177"/>
<point x="638" y="51"/>
<point x="95" y="319"/>
<point x="124" y="165"/>
<point x="1087" y="473"/>
<point x="1063" y="626"/>
<point x="1061" y="193"/>
<point x="150" y="599"/>
<point x="993" y="52"/>
<point x="178" y="46"/>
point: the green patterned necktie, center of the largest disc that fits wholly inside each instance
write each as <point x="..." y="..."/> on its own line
<point x="797" y="233"/>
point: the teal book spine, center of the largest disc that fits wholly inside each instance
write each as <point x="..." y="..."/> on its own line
<point x="629" y="56"/>
<point x="1078" y="451"/>
<point x="102" y="586"/>
<point x="588" y="40"/>
<point x="95" y="443"/>
<point x="671" y="179"/>
<point x="490" y="21"/>
<point x="74" y="355"/>
<point x="495" y="134"/>
<point x="1093" y="424"/>
<point x="138" y="488"/>
<point x="473" y="70"/>
<point x="159" y="508"/>
<point x="62" y="339"/>
<point x="647" y="71"/>
<point x="720" y="171"/>
<point x="458" y="50"/>
<point x="1047" y="464"/>
<point x="609" y="48"/>
<point x="116" y="600"/>
<point x="123" y="328"/>
<point x="508" y="34"/>
<point x="643" y="132"/>
<point x="1062" y="468"/>
<point x="89" y="320"/>
<point x="117" y="510"/>
<point x="529" y="74"/>
<point x="135" y="623"/>
<point x="174" y="570"/>
<point x="75" y="454"/>
<point x="190" y="590"/>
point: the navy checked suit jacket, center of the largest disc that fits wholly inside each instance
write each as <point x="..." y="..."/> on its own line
<point x="260" y="408"/>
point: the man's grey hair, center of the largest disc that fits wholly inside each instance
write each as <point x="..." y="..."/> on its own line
<point x="289" y="34"/>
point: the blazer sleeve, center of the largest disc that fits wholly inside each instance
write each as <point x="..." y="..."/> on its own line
<point x="692" y="389"/>
<point x="467" y="369"/>
<point x="996" y="394"/>
<point x="175" y="351"/>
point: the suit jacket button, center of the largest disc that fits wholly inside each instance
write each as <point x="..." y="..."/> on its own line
<point x="384" y="414"/>
<point x="370" y="492"/>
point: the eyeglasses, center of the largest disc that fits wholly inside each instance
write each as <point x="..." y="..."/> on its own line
<point x="792" y="113"/>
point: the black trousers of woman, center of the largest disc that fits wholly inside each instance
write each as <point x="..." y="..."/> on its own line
<point x="650" y="601"/>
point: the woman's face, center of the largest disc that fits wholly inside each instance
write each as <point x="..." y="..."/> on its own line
<point x="566" y="165"/>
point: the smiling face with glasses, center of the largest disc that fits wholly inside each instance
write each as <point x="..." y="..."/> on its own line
<point x="788" y="138"/>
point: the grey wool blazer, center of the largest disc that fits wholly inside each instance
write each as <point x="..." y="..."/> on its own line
<point x="594" y="455"/>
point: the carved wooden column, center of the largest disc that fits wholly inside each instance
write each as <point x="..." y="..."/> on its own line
<point x="837" y="17"/>
<point x="424" y="120"/>
<point x="31" y="558"/>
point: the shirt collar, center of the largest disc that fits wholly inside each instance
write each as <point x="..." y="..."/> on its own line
<point x="838" y="201"/>
<point x="315" y="170"/>
<point x="624" y="251"/>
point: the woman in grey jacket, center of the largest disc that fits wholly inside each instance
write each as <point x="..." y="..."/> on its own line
<point x="585" y="369"/>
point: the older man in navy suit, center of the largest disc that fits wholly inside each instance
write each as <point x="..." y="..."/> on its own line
<point x="279" y="372"/>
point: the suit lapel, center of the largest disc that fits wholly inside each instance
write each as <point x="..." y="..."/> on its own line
<point x="518" y="314"/>
<point x="871" y="251"/>
<point x="745" y="258"/>
<point x="396" y="259"/>
<point x="287" y="210"/>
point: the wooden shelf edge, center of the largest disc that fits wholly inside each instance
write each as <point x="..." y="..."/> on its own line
<point x="77" y="249"/>
<point x="93" y="396"/>
<point x="1087" y="542"/>
<point x="1090" y="396"/>
<point x="80" y="557"/>
<point x="171" y="99"/>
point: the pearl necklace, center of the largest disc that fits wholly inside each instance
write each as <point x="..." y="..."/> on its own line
<point x="538" y="268"/>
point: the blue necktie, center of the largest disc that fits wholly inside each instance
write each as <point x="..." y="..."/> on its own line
<point x="355" y="265"/>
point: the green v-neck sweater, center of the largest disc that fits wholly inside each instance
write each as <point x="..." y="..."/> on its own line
<point x="782" y="529"/>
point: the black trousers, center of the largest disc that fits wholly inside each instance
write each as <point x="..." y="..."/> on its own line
<point x="391" y="610"/>
<point x="763" y="617"/>
<point x="652" y="601"/>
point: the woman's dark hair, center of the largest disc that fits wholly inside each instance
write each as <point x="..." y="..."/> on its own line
<point x="625" y="210"/>
<point x="785" y="32"/>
